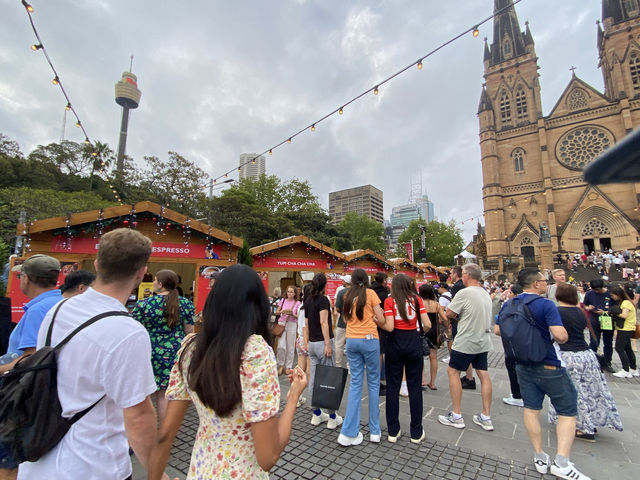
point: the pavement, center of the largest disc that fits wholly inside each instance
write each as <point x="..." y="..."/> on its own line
<point x="447" y="453"/>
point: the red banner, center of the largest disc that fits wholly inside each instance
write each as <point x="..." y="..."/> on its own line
<point x="291" y="263"/>
<point x="409" y="249"/>
<point x="330" y="289"/>
<point x="159" y="249"/>
<point x="372" y="270"/>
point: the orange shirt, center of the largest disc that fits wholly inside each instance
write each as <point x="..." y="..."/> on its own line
<point x="361" y="328"/>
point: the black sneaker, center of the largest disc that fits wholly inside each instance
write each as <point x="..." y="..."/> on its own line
<point x="468" y="384"/>
<point x="609" y="368"/>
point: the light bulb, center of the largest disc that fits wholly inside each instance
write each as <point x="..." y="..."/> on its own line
<point x="419" y="65"/>
<point x="35" y="47"/>
<point x="78" y="124"/>
<point x="27" y="6"/>
<point x="375" y="90"/>
<point x="476" y="32"/>
<point x="270" y="152"/>
<point x="341" y="111"/>
<point x="68" y="107"/>
<point x="289" y="141"/>
<point x="313" y="127"/>
<point x="55" y="80"/>
<point x="253" y="161"/>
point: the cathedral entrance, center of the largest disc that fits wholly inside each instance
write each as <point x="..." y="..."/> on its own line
<point x="528" y="253"/>
<point x="605" y="244"/>
<point x="589" y="245"/>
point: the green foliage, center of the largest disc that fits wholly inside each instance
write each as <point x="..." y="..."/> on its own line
<point x="442" y="241"/>
<point x="41" y="203"/>
<point x="363" y="232"/>
<point x="8" y="147"/>
<point x="5" y="249"/>
<point x="244" y="255"/>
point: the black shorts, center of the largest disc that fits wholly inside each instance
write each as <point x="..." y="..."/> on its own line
<point x="461" y="361"/>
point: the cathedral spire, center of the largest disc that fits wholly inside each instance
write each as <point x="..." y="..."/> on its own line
<point x="508" y="40"/>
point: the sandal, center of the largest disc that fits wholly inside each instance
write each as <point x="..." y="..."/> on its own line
<point x="589" y="437"/>
<point x="432" y="387"/>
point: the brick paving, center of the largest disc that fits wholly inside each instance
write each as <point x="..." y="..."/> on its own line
<point x="448" y="453"/>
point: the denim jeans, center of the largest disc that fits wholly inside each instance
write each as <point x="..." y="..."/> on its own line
<point x="363" y="354"/>
<point x="607" y="341"/>
<point x="536" y="381"/>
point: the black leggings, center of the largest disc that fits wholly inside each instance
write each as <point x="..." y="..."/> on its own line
<point x="623" y="347"/>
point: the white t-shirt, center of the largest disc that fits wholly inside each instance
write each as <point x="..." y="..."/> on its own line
<point x="112" y="357"/>
<point x="445" y="299"/>
<point x="301" y="321"/>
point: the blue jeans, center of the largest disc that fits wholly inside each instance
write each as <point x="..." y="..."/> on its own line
<point x="536" y="381"/>
<point x="363" y="353"/>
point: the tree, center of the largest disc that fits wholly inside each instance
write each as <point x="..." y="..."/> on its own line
<point x="244" y="255"/>
<point x="177" y="182"/>
<point x="442" y="241"/>
<point x="38" y="204"/>
<point x="70" y="157"/>
<point x="364" y="232"/>
<point x="9" y="148"/>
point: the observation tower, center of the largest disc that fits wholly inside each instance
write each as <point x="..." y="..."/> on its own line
<point x="128" y="97"/>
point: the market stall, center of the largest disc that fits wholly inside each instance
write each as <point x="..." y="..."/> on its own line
<point x="190" y="248"/>
<point x="294" y="261"/>
<point x="370" y="261"/>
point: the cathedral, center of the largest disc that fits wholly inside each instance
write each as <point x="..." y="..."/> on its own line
<point x="536" y="202"/>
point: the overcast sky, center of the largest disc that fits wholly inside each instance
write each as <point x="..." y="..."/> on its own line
<point x="221" y="78"/>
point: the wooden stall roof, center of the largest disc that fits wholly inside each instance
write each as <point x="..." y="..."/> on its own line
<point x="428" y="267"/>
<point x="357" y="254"/>
<point x="120" y="210"/>
<point x="397" y="262"/>
<point x="288" y="241"/>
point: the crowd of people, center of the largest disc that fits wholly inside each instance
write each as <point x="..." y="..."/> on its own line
<point x="118" y="368"/>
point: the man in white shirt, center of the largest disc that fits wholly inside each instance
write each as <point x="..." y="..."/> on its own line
<point x="109" y="362"/>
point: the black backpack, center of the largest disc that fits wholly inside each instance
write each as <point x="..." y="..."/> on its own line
<point x="31" y="421"/>
<point x="522" y="337"/>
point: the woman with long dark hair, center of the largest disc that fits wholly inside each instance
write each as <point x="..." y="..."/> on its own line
<point x="321" y="347"/>
<point x="229" y="372"/>
<point x="436" y="316"/>
<point x="404" y="350"/>
<point x="167" y="317"/>
<point x="362" y="313"/>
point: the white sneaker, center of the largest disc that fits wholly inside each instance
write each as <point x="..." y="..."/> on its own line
<point x="542" y="466"/>
<point x="623" y="374"/>
<point x="318" y="419"/>
<point x="485" y="424"/>
<point x="349" y="441"/>
<point x="449" y="420"/>
<point x="392" y="439"/>
<point x="516" y="402"/>
<point x="635" y="373"/>
<point x="446" y="359"/>
<point x="570" y="472"/>
<point x="334" y="423"/>
<point x="404" y="392"/>
<point x="374" y="438"/>
<point x="419" y="440"/>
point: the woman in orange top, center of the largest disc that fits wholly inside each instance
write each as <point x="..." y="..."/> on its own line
<point x="363" y="314"/>
<point x="404" y="350"/>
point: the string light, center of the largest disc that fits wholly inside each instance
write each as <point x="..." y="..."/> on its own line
<point x="313" y="127"/>
<point x="474" y="30"/>
<point x="56" y="81"/>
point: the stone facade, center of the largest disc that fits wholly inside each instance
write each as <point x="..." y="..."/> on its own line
<point x="533" y="191"/>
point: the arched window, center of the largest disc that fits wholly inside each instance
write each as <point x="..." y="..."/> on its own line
<point x="507" y="47"/>
<point x="518" y="160"/>
<point x="505" y="107"/>
<point x="631" y="7"/>
<point x="521" y="104"/>
<point x="634" y="68"/>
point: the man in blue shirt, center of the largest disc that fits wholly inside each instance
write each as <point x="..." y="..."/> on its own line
<point x="596" y="302"/>
<point x="549" y="378"/>
<point x="38" y="276"/>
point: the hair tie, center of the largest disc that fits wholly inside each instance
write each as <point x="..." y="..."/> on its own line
<point x="360" y="284"/>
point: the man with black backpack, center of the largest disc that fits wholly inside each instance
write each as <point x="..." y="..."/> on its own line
<point x="529" y="324"/>
<point x="105" y="370"/>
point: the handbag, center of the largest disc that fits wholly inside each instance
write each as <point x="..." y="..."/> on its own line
<point x="636" y="334"/>
<point x="605" y="322"/>
<point x="276" y="328"/>
<point x="426" y="343"/>
<point x="328" y="386"/>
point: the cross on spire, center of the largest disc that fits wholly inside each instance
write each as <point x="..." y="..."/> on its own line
<point x="573" y="70"/>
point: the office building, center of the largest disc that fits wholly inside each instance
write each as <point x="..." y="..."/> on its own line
<point x="365" y="200"/>
<point x="251" y="166"/>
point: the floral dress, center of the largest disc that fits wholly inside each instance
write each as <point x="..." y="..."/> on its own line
<point x="165" y="341"/>
<point x="224" y="447"/>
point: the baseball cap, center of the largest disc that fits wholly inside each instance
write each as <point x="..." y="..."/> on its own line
<point x="39" y="266"/>
<point x="347" y="279"/>
<point x="436" y="286"/>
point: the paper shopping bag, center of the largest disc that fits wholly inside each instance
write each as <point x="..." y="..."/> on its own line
<point x="328" y="387"/>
